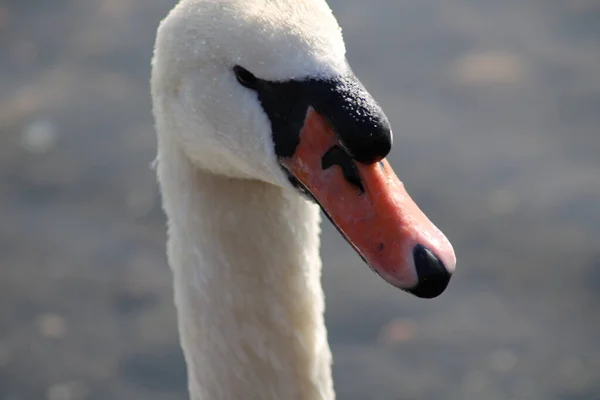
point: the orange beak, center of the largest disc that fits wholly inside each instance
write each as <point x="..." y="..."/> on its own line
<point x="371" y="208"/>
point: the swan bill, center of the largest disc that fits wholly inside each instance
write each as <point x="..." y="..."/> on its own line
<point x="371" y="208"/>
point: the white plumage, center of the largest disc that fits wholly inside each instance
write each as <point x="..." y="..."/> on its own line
<point x="242" y="244"/>
<point x="250" y="318"/>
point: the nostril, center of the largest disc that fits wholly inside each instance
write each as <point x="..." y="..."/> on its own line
<point x="433" y="275"/>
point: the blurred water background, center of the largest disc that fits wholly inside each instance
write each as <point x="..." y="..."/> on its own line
<point x="495" y="107"/>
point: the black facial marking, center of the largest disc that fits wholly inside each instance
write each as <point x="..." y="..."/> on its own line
<point x="245" y="77"/>
<point x="359" y="123"/>
<point x="337" y="156"/>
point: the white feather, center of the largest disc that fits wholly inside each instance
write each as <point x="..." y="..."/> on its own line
<point x="243" y="247"/>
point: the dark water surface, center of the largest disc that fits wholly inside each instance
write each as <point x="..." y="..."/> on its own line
<point x="496" y="113"/>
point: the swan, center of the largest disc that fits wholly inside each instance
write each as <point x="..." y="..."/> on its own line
<point x="260" y="122"/>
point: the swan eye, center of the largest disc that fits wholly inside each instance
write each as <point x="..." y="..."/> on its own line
<point x="245" y="77"/>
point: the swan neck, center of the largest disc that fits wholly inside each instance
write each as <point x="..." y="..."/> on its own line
<point x="246" y="268"/>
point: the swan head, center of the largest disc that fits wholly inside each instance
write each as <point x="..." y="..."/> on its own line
<point x="261" y="89"/>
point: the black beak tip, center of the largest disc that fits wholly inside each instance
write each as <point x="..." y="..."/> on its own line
<point x="433" y="275"/>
